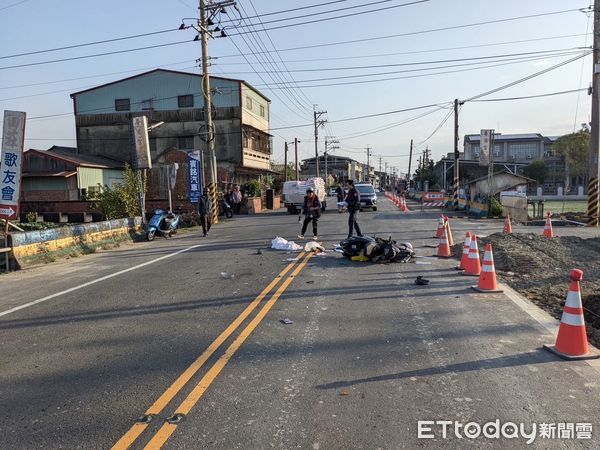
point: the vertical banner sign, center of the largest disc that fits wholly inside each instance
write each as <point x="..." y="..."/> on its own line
<point x="194" y="176"/>
<point x="11" y="159"/>
<point x="484" y="147"/>
<point x="142" y="159"/>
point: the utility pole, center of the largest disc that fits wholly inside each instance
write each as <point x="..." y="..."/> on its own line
<point x="456" y="184"/>
<point x="409" y="164"/>
<point x="296" y="151"/>
<point x="285" y="163"/>
<point x="328" y="146"/>
<point x="318" y="123"/>
<point x="213" y="8"/>
<point x="368" y="162"/>
<point x="594" y="173"/>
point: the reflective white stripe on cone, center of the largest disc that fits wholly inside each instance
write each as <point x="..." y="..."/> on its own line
<point x="571" y="341"/>
<point x="487" y="278"/>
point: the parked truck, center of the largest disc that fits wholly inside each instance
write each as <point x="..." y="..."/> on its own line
<point x="294" y="192"/>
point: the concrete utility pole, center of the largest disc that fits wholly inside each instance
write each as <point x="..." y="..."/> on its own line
<point x="409" y="164"/>
<point x="318" y="123"/>
<point x="368" y="162"/>
<point x="296" y="151"/>
<point x="456" y="184"/>
<point x="329" y="146"/>
<point x="212" y="9"/>
<point x="594" y="173"/>
<point x="285" y="163"/>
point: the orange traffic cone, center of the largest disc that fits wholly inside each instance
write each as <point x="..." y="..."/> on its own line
<point x="487" y="278"/>
<point x="441" y="227"/>
<point x="571" y="342"/>
<point x="507" y="225"/>
<point x="465" y="252"/>
<point x="473" y="265"/>
<point x="443" y="247"/>
<point x="449" y="231"/>
<point x="548" y="227"/>
<point x="405" y="206"/>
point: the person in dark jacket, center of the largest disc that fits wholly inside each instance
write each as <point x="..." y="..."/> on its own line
<point x="205" y="210"/>
<point x="353" y="202"/>
<point x="312" y="212"/>
<point x="340" y="196"/>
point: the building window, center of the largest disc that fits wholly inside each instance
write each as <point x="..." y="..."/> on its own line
<point x="262" y="111"/>
<point x="497" y="150"/>
<point x="249" y="103"/>
<point x="185" y="142"/>
<point x="524" y="150"/>
<point x="122" y="104"/>
<point x="148" y="105"/>
<point x="185" y="101"/>
<point x="475" y="151"/>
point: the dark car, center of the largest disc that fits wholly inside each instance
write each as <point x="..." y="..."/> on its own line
<point x="368" y="196"/>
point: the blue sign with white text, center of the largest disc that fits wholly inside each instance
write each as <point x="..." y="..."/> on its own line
<point x="194" y="176"/>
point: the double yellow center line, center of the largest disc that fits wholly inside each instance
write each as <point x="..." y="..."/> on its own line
<point x="157" y="407"/>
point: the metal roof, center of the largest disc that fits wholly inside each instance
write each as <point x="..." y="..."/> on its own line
<point x="66" y="154"/>
<point x="506" y="137"/>
<point x="235" y="80"/>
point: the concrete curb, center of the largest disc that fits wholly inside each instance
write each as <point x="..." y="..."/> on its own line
<point x="549" y="323"/>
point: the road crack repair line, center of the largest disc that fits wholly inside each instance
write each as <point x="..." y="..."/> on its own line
<point x="167" y="429"/>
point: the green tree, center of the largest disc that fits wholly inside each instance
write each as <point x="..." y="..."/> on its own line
<point x="574" y="148"/>
<point x="122" y="200"/>
<point x="426" y="173"/>
<point x="537" y="170"/>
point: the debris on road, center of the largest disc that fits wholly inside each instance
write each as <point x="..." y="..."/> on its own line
<point x="286" y="321"/>
<point x="227" y="275"/>
<point x="280" y="243"/>
<point x="421" y="281"/>
<point x="313" y="247"/>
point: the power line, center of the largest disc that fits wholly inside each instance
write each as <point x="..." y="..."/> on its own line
<point x="310" y="102"/>
<point x="501" y="61"/>
<point x="364" y="5"/>
<point x="464" y="47"/>
<point x="336" y="17"/>
<point x="297" y="86"/>
<point x="521" y="80"/>
<point x="74" y="58"/>
<point x="549" y="94"/>
<point x="432" y="30"/>
<point x="267" y="57"/>
<point x="105" y="41"/>
<point x="421" y="75"/>
<point x="290" y="10"/>
<point x="96" y="76"/>
<point x="439" y="61"/>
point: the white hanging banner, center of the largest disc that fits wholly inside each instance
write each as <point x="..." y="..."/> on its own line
<point x="11" y="159"/>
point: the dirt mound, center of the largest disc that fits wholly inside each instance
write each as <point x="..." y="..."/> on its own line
<point x="539" y="268"/>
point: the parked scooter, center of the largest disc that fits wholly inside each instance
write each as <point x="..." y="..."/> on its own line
<point x="225" y="209"/>
<point x="163" y="223"/>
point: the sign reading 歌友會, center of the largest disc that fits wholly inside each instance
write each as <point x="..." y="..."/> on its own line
<point x="11" y="158"/>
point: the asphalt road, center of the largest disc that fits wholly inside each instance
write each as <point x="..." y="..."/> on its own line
<point x="124" y="333"/>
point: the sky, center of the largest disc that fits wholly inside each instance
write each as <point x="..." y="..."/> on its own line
<point x="426" y="52"/>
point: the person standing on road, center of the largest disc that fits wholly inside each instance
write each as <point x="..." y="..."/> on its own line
<point x="340" y="196"/>
<point x="236" y="198"/>
<point x="205" y="210"/>
<point x="312" y="212"/>
<point x="353" y="202"/>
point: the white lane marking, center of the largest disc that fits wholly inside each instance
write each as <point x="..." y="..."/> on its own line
<point x="98" y="280"/>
